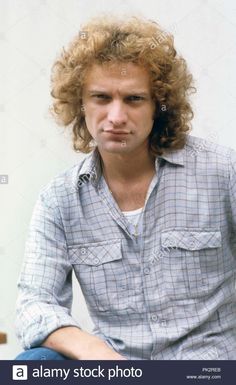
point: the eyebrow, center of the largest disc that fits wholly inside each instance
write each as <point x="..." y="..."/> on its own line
<point x="135" y="92"/>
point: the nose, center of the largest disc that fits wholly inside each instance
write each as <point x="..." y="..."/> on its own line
<point x="117" y="115"/>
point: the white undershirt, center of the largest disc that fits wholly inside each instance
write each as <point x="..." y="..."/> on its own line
<point x="133" y="215"/>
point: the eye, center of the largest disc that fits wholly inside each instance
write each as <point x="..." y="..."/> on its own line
<point x="101" y="96"/>
<point x="134" y="98"/>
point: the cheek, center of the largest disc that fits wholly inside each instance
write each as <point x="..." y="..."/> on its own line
<point x="90" y="117"/>
<point x="94" y="114"/>
<point x="146" y="119"/>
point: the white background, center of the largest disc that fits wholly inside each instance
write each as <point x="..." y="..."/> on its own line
<point x="33" y="149"/>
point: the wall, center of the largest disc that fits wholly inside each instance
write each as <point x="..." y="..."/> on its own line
<point x="33" y="149"/>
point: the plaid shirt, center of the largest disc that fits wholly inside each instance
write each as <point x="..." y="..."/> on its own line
<point x="168" y="293"/>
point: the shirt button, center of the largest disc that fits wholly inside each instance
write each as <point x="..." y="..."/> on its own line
<point x="192" y="243"/>
<point x="146" y="270"/>
<point x="83" y="250"/>
<point x="154" y="317"/>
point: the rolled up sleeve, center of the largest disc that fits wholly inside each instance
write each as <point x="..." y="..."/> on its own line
<point x="45" y="287"/>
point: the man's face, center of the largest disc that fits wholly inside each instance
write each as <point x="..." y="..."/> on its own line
<point x="118" y="106"/>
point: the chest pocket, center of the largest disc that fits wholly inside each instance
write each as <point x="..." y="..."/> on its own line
<point x="191" y="262"/>
<point x="103" y="276"/>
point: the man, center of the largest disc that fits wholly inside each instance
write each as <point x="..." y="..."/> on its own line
<point x="146" y="221"/>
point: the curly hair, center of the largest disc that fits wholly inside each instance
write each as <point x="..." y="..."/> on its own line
<point x="107" y="39"/>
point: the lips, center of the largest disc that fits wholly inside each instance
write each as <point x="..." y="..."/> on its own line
<point x="117" y="132"/>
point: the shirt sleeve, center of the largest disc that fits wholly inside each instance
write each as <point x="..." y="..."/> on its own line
<point x="232" y="191"/>
<point x="45" y="282"/>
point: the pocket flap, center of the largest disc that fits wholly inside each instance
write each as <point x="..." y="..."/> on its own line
<point x="95" y="254"/>
<point x="191" y="239"/>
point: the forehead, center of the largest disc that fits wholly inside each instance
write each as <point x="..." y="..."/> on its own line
<point x="127" y="75"/>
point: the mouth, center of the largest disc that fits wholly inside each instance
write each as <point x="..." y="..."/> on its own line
<point x="117" y="132"/>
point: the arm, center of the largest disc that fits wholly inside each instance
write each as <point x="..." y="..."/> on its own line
<point x="77" y="344"/>
<point x="45" y="290"/>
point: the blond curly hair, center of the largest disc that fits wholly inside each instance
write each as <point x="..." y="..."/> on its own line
<point x="106" y="39"/>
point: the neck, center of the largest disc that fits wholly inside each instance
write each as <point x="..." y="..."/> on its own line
<point x="127" y="167"/>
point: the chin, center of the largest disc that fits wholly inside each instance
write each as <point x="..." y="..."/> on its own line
<point x="116" y="148"/>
